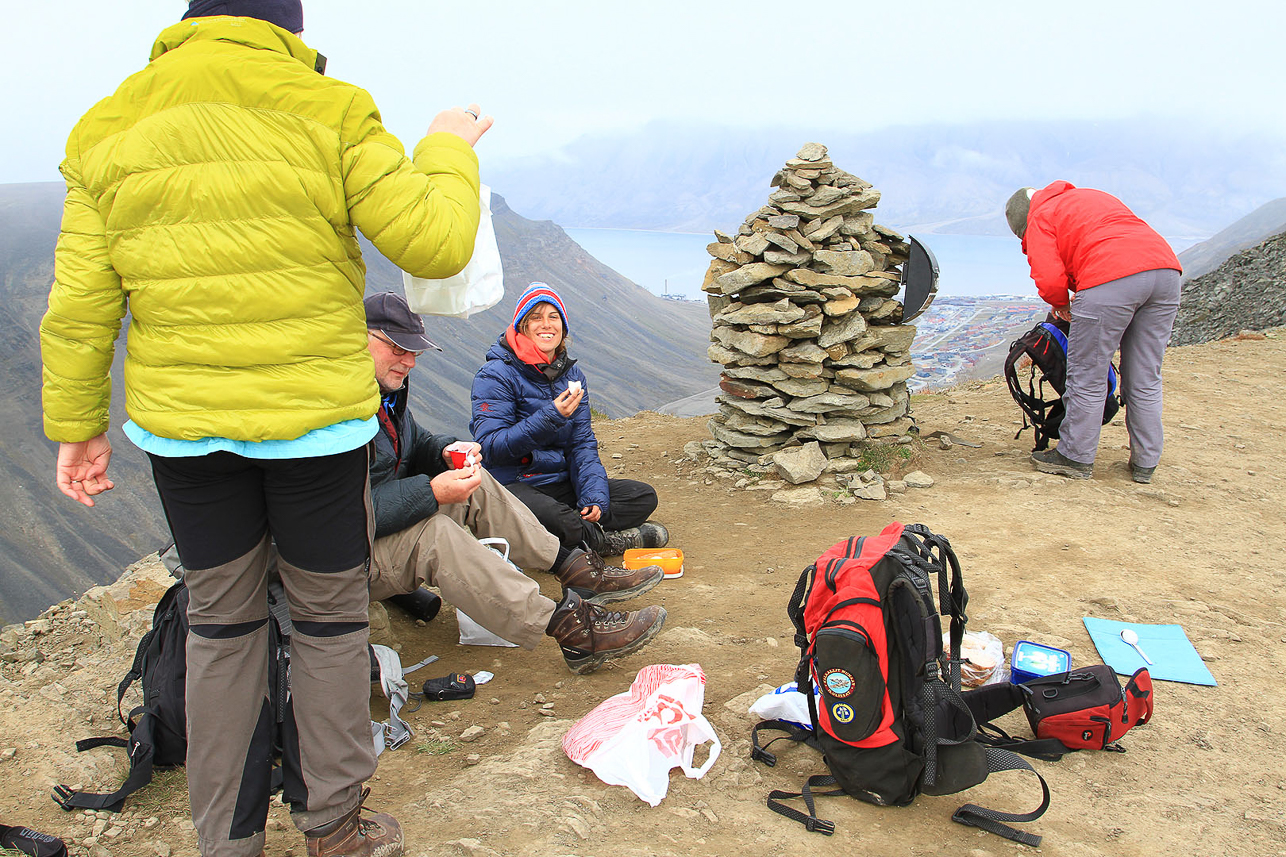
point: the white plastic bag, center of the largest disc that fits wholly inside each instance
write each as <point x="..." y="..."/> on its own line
<point x="479" y="286"/>
<point x="634" y="738"/>
<point x="471" y="633"/>
<point x="984" y="659"/>
<point x="785" y="703"/>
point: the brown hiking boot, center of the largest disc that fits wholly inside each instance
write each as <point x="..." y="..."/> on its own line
<point x="590" y="635"/>
<point x="377" y="835"/>
<point x="599" y="583"/>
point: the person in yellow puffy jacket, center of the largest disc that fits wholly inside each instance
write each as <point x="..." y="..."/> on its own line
<point x="216" y="197"/>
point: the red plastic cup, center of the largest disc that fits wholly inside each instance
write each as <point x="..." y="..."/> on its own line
<point x="459" y="458"/>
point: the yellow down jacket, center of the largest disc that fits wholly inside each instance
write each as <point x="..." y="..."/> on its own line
<point x="215" y="197"/>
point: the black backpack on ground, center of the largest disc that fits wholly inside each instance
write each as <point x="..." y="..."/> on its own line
<point x="1045" y="345"/>
<point x="888" y="717"/>
<point x="158" y="726"/>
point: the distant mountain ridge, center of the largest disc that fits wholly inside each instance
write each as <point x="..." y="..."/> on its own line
<point x="935" y="177"/>
<point x="1262" y="223"/>
<point x="638" y="350"/>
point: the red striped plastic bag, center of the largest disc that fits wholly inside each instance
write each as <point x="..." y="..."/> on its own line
<point x="635" y="738"/>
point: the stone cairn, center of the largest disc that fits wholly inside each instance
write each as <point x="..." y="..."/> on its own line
<point x="815" y="359"/>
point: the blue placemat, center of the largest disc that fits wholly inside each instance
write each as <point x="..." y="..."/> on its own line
<point x="1173" y="656"/>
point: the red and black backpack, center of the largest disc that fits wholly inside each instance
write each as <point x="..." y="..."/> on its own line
<point x="888" y="715"/>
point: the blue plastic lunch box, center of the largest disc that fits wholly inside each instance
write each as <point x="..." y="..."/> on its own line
<point x="1032" y="660"/>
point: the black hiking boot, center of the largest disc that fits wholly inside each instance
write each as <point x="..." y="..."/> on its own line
<point x="1142" y="475"/>
<point x="590" y="635"/>
<point x="647" y="535"/>
<point x="420" y="604"/>
<point x="1053" y="461"/>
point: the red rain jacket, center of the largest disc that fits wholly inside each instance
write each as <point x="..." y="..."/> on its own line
<point x="1078" y="238"/>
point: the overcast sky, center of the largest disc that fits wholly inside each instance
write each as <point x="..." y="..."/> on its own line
<point x="551" y="71"/>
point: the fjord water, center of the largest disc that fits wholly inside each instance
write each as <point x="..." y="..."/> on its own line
<point x="969" y="265"/>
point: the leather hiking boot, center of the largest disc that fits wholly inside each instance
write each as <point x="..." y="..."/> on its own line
<point x="376" y="835"/>
<point x="647" y="535"/>
<point x="600" y="583"/>
<point x="590" y="635"/>
<point x="1053" y="461"/>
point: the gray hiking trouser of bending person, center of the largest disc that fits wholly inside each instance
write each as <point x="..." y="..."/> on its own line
<point x="1136" y="314"/>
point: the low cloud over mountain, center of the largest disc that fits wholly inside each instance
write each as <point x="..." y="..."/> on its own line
<point x="1188" y="183"/>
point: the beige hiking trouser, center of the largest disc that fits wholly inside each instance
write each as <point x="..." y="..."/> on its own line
<point x="443" y="551"/>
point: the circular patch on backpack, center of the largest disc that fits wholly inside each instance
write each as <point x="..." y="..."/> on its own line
<point x="838" y="682"/>
<point x="843" y="713"/>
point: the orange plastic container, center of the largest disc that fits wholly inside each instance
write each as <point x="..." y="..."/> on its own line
<point x="670" y="559"/>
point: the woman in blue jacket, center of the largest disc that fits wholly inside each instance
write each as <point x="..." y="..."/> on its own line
<point x="531" y="415"/>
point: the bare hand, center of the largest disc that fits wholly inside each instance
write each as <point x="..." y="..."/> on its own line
<point x="567" y="401"/>
<point x="466" y="123"/>
<point x="81" y="472"/>
<point x="456" y="486"/>
<point x="1063" y="313"/>
<point x="591" y="513"/>
<point x="468" y="447"/>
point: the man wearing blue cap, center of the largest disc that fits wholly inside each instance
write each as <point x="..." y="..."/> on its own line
<point x="430" y="513"/>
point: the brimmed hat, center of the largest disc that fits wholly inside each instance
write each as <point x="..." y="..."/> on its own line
<point x="389" y="314"/>
<point x="539" y="293"/>
<point x="287" y="14"/>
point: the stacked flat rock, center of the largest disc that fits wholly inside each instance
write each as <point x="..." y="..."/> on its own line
<point x="804" y="320"/>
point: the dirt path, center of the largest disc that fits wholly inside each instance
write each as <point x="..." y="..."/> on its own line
<point x="1201" y="547"/>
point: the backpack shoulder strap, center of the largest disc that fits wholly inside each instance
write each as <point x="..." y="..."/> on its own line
<point x="991" y="701"/>
<point x="994" y="821"/>
<point x="759" y="752"/>
<point x="795" y="607"/>
<point x="140" y="770"/>
<point x="1045" y="749"/>
<point x="811" y="822"/>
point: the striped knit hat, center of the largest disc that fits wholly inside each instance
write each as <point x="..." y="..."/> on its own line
<point x="538" y="293"/>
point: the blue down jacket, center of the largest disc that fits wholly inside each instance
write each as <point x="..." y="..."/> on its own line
<point x="524" y="438"/>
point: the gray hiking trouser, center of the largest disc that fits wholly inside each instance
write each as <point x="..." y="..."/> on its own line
<point x="443" y="551"/>
<point x="1136" y="314"/>
<point x="223" y="510"/>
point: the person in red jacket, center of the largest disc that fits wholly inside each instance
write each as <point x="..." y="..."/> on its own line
<point x="1117" y="281"/>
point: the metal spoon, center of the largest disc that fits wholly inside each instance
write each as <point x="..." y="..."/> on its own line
<point x="1132" y="639"/>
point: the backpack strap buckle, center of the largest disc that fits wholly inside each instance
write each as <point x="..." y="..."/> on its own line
<point x="62" y="796"/>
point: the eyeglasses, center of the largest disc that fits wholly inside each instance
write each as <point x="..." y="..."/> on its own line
<point x="398" y="351"/>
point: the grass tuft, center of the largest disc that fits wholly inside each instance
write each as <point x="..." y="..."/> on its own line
<point x="883" y="457"/>
<point x="436" y="746"/>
